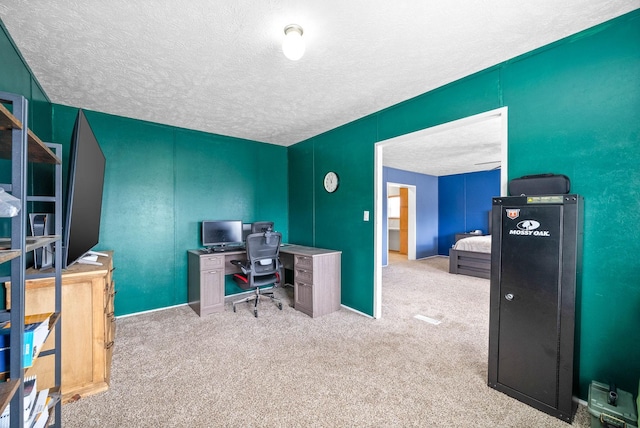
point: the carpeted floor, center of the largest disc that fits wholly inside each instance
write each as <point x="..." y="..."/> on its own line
<point x="285" y="369"/>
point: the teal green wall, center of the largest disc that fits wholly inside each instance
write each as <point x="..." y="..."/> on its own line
<point x="574" y="109"/>
<point x="335" y="220"/>
<point x="16" y="77"/>
<point x="160" y="183"/>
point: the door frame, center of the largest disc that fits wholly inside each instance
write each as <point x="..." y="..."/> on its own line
<point x="501" y="112"/>
<point x="411" y="232"/>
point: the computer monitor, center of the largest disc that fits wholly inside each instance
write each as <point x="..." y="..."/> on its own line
<point x="221" y="233"/>
<point x="246" y="230"/>
<point x="261" y="226"/>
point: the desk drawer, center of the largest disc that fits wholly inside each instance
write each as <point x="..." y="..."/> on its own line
<point x="303" y="298"/>
<point x="211" y="262"/>
<point x="304" y="262"/>
<point x="303" y="276"/>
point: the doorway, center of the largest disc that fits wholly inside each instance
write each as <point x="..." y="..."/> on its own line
<point x="421" y="139"/>
<point x="401" y="221"/>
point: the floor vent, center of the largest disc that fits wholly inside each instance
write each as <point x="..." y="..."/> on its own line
<point x="427" y="319"/>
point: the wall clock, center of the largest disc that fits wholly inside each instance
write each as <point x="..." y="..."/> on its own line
<point x="331" y="182"/>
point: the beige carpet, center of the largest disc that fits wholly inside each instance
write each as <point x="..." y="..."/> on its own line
<point x="285" y="369"/>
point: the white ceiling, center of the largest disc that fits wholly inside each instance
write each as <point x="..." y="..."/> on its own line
<point x="469" y="147"/>
<point x="217" y="65"/>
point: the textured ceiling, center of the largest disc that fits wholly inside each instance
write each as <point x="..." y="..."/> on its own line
<point x="470" y="147"/>
<point x="217" y="65"/>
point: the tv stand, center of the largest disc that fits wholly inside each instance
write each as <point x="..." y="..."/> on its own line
<point x="87" y="324"/>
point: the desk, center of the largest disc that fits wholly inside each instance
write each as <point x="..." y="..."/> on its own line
<point x="316" y="278"/>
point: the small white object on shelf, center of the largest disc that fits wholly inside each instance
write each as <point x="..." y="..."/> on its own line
<point x="9" y="205"/>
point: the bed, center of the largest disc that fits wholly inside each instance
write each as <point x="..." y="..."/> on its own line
<point x="471" y="256"/>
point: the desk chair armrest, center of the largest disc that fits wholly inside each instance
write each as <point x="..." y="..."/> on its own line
<point x="245" y="269"/>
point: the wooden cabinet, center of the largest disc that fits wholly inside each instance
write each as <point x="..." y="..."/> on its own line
<point x="303" y="284"/>
<point x="206" y="282"/>
<point x="316" y="276"/>
<point x="88" y="326"/>
<point x="109" y="322"/>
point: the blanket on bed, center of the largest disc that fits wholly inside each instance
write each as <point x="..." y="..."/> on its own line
<point x="479" y="244"/>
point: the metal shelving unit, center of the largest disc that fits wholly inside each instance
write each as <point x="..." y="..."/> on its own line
<point x="21" y="146"/>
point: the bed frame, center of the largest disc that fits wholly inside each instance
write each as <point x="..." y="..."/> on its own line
<point x="470" y="263"/>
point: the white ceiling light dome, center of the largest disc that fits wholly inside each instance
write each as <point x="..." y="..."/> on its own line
<point x="293" y="44"/>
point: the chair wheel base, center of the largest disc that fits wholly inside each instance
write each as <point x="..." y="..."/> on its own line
<point x="255" y="299"/>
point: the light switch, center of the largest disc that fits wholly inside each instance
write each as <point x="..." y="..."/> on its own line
<point x="366" y="216"/>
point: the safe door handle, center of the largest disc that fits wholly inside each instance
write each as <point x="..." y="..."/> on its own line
<point x="509" y="296"/>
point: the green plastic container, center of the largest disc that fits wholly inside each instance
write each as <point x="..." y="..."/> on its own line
<point x="603" y="414"/>
<point x="638" y="397"/>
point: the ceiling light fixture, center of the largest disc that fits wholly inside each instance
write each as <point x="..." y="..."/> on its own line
<point x="293" y="44"/>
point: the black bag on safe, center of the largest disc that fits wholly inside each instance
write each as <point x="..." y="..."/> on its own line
<point x="540" y="184"/>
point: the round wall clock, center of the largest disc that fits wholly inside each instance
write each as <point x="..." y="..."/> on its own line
<point x="331" y="182"/>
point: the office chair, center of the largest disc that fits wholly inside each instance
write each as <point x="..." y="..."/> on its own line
<point x="261" y="226"/>
<point x="262" y="267"/>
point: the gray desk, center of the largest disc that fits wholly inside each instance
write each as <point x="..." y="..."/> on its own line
<point x="316" y="278"/>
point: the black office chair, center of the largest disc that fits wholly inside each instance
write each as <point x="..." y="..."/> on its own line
<point x="261" y="268"/>
<point x="261" y="226"/>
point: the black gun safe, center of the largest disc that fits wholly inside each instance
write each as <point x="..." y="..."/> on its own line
<point x="536" y="255"/>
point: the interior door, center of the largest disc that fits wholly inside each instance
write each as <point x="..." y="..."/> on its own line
<point x="404" y="220"/>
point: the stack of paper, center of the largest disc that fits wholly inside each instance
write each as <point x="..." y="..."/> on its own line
<point x="31" y="399"/>
<point x="40" y="414"/>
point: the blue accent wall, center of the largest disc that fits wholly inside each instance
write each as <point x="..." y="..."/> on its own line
<point x="426" y="210"/>
<point x="465" y="203"/>
<point x="444" y="206"/>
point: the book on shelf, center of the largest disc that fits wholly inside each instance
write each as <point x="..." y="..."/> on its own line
<point x="30" y="398"/>
<point x="40" y="411"/>
<point x="37" y="405"/>
<point x="36" y="330"/>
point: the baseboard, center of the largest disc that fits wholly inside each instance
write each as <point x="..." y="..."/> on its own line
<point x="579" y="401"/>
<point x="152" y="310"/>
<point x="356" y="311"/>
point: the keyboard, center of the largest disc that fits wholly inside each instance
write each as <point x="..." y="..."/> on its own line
<point x="229" y="249"/>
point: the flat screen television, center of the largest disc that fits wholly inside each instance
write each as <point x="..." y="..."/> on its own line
<point x="219" y="234"/>
<point x="84" y="194"/>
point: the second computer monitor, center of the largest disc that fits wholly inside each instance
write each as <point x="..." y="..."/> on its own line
<point x="261" y="226"/>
